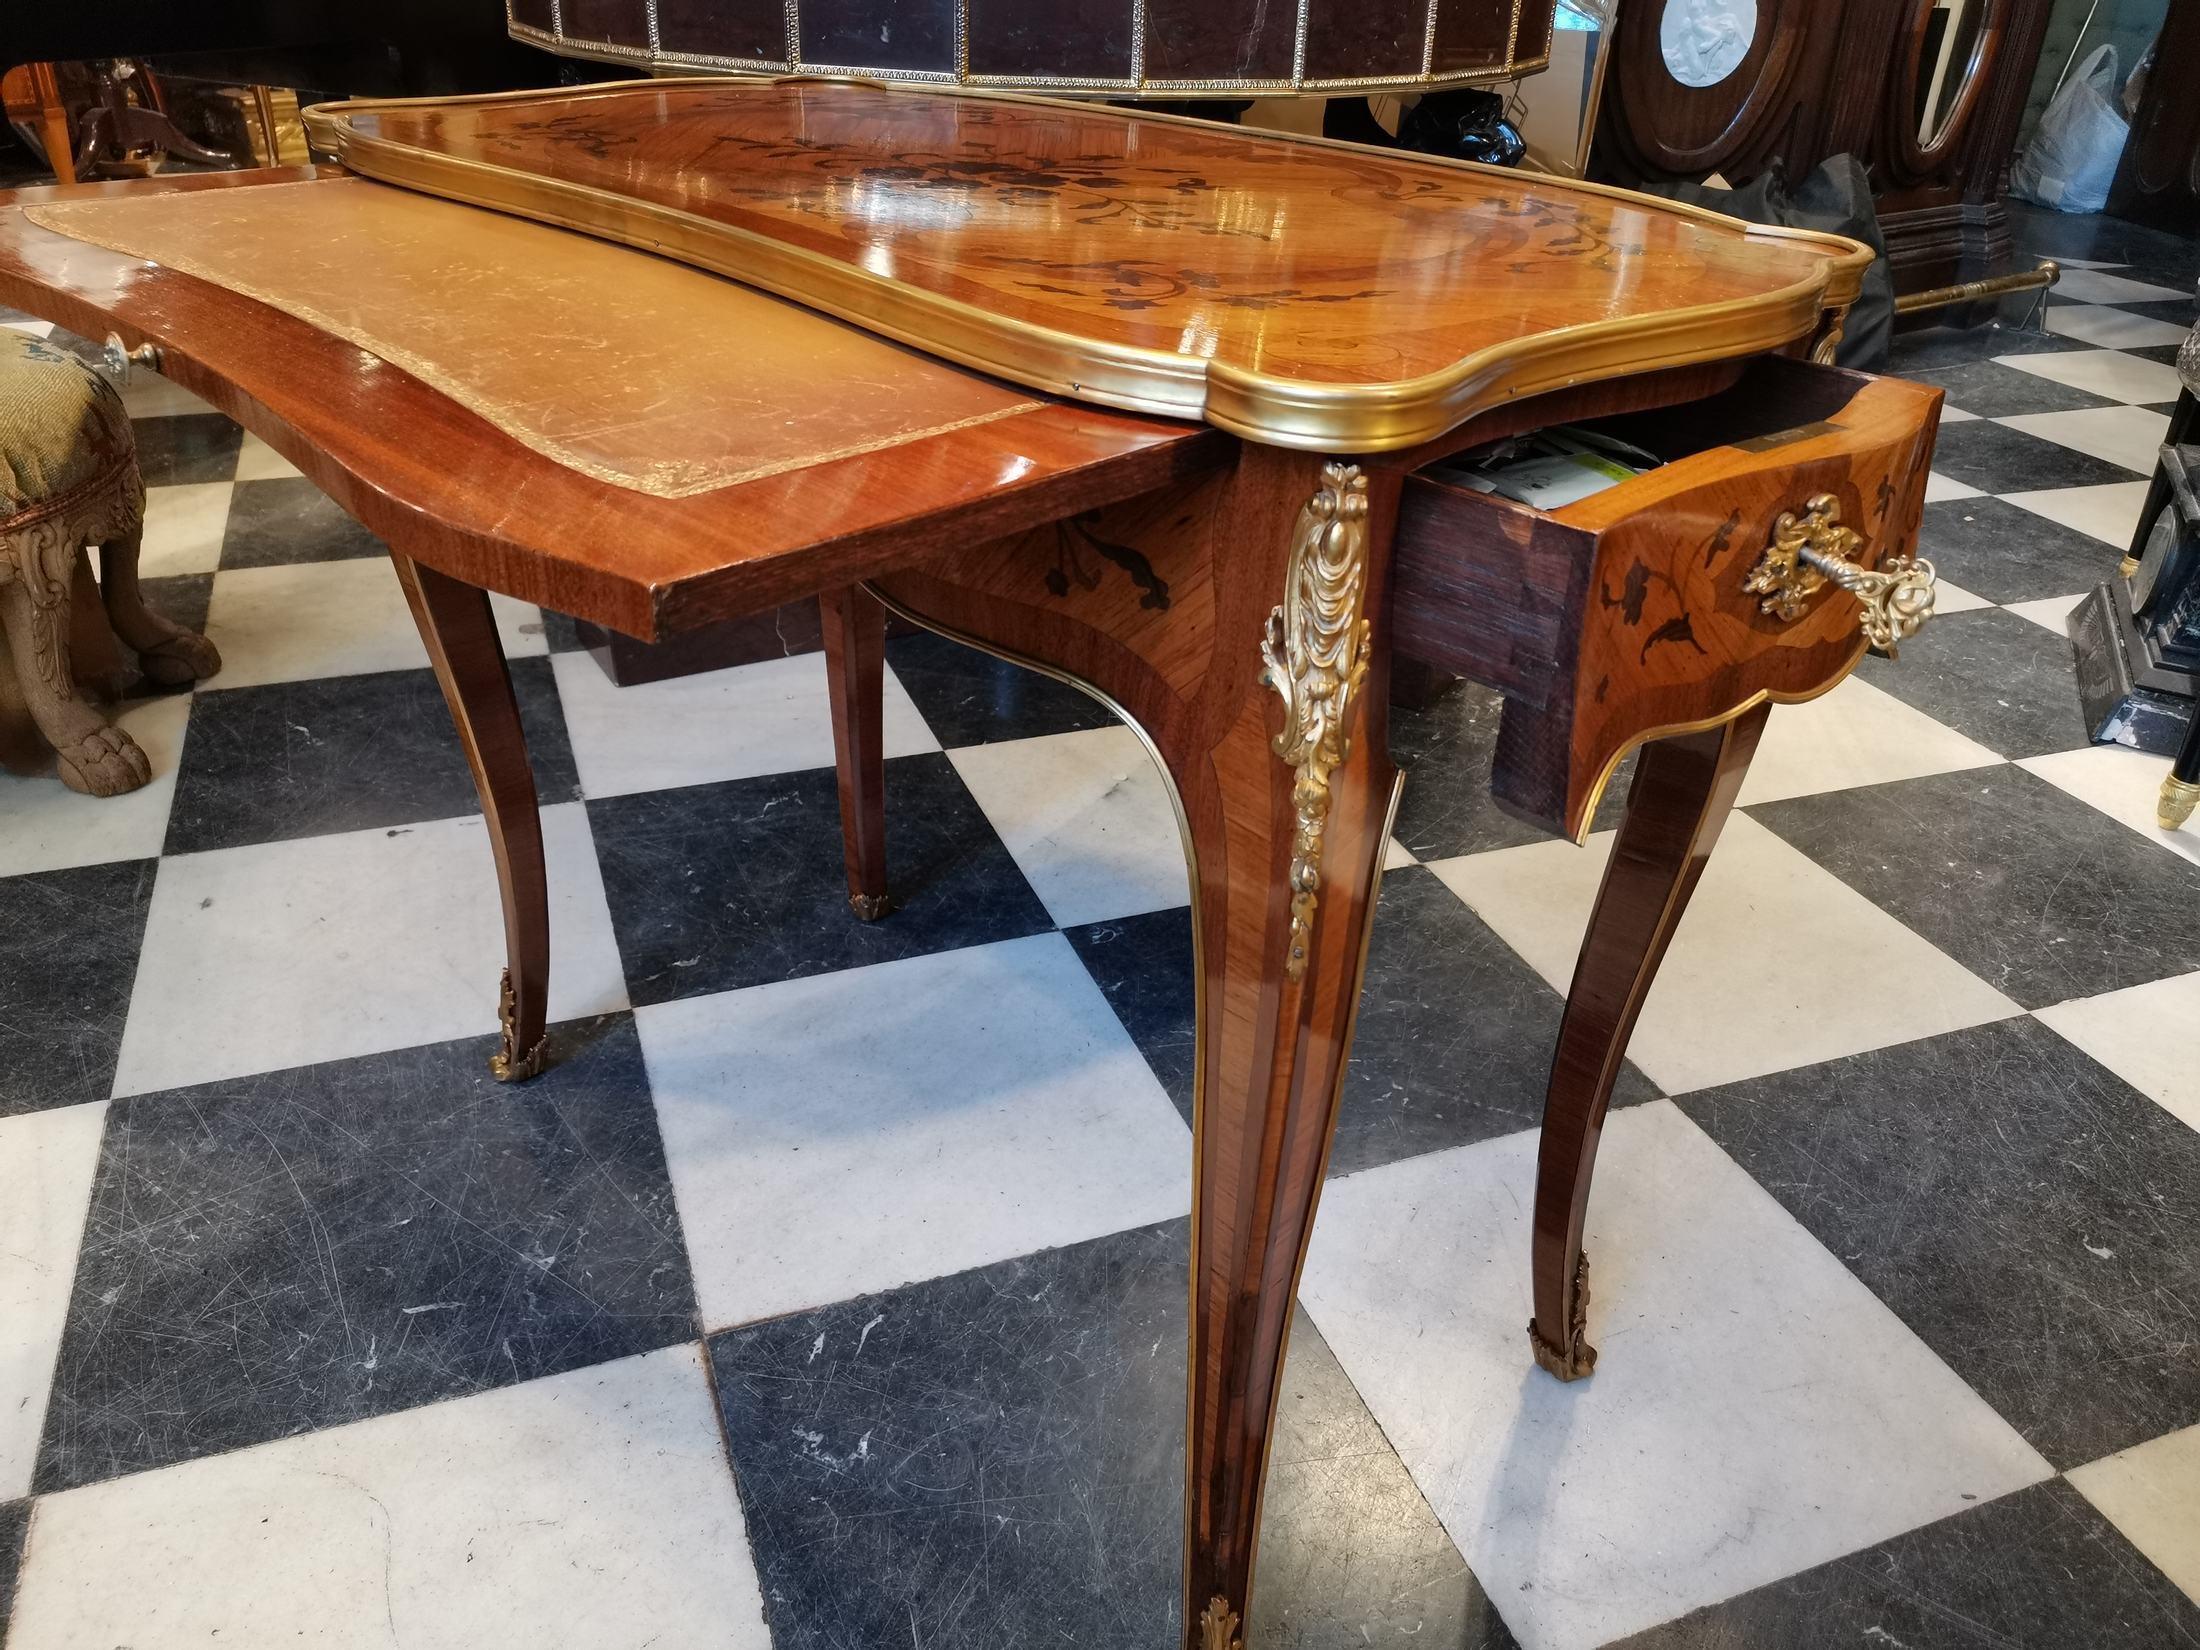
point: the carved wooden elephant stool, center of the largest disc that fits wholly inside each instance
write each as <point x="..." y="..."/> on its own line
<point x="69" y="480"/>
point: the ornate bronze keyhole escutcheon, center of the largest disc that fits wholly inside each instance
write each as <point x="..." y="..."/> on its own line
<point x="1811" y="549"/>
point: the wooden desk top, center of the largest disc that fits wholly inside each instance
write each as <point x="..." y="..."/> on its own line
<point x="916" y="455"/>
<point x="1293" y="291"/>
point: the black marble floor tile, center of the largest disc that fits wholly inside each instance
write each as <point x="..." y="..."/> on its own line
<point x="1455" y="1032"/>
<point x="345" y="753"/>
<point x="972" y="698"/>
<point x="1446" y="750"/>
<point x="181" y="598"/>
<point x="2178" y="312"/>
<point x="1143" y="966"/>
<point x="1995" y="550"/>
<point x="714" y="887"/>
<point x="288" y="1251"/>
<point x="2045" y="233"/>
<point x="290" y="520"/>
<point x="187" y="447"/>
<point x="558" y="630"/>
<point x="996" y="1459"/>
<point x="2037" y="894"/>
<point x="1997" y="459"/>
<point x="1994" y="391"/>
<point x="15" y="1524"/>
<point x="68" y="957"/>
<point x="2032" y="1217"/>
<point x="1997" y="678"/>
<point x="2037" y="1570"/>
<point x="1952" y="346"/>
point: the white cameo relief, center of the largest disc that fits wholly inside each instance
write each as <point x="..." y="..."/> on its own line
<point x="1704" y="41"/>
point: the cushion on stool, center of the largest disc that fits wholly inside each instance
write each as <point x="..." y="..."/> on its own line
<point x="62" y="426"/>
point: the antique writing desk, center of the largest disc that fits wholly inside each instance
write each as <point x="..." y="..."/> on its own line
<point x="1214" y="365"/>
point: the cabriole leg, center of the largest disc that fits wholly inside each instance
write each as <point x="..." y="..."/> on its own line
<point x="1683" y="791"/>
<point x="855" y="671"/>
<point x="168" y="653"/>
<point x="461" y="638"/>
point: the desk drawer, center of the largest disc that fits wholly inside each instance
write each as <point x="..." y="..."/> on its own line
<point x="1648" y="608"/>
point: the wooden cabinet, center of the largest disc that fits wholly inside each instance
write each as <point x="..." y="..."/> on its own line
<point x="2158" y="181"/>
<point x="1927" y="93"/>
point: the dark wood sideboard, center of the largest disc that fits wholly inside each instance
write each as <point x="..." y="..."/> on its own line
<point x="1827" y="77"/>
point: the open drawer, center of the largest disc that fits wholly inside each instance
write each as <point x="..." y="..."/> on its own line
<point x="1681" y="597"/>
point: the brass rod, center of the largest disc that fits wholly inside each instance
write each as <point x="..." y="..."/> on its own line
<point x="1939" y="297"/>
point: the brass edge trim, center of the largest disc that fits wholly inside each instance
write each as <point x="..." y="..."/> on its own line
<point x="1674" y="729"/>
<point x="1273" y="411"/>
<point x="1199" y="1006"/>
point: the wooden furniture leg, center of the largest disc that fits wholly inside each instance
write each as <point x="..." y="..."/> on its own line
<point x="1683" y="791"/>
<point x="461" y="638"/>
<point x="168" y="653"/>
<point x="1245" y="638"/>
<point x="855" y="674"/>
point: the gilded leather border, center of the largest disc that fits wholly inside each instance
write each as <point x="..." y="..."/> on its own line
<point x="1284" y="412"/>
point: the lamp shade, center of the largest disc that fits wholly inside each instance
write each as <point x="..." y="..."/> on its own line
<point x="1126" y="48"/>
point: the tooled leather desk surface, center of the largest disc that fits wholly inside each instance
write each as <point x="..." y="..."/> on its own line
<point x="633" y="370"/>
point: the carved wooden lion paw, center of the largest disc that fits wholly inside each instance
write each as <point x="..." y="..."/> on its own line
<point x="105" y="762"/>
<point x="184" y="657"/>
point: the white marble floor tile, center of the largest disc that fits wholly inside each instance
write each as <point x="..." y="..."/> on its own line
<point x="183" y="528"/>
<point x="1742" y="989"/>
<point x="287" y="953"/>
<point x="771" y="717"/>
<point x="331" y="618"/>
<point x="1087" y="817"/>
<point x="1396" y="855"/>
<point x="2107" y="372"/>
<point x="2111" y="328"/>
<point x="44" y="825"/>
<point x="2092" y="286"/>
<point x="574" y="1513"/>
<point x="2049" y="612"/>
<point x="859" y="1130"/>
<point x="257" y="461"/>
<point x="47" y="1159"/>
<point x="2141" y="1033"/>
<point x="2130" y="436"/>
<point x="2123" y="783"/>
<point x="1855" y="735"/>
<point x="2151" y="1493"/>
<point x="2107" y="512"/>
<point x="1953" y="598"/>
<point x="33" y="329"/>
<point x="1940" y="489"/>
<point x="1756" y="1410"/>
<point x="148" y="395"/>
<point x="1956" y="415"/>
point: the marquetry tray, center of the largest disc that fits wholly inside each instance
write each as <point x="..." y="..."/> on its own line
<point x="1294" y="291"/>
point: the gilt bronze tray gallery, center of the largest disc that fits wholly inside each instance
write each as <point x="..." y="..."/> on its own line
<point x="1295" y="292"/>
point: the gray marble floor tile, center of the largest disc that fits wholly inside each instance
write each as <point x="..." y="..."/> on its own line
<point x="15" y="1523"/>
<point x="345" y="753"/>
<point x="1996" y="459"/>
<point x="290" y="520"/>
<point x="68" y="955"/>
<point x="1446" y="751"/>
<point x="2036" y="1570"/>
<point x="995" y="1458"/>
<point x="972" y="698"/>
<point x="1454" y="1039"/>
<point x="1953" y="346"/>
<point x="2039" y="895"/>
<point x="1993" y="677"/>
<point x="714" y="887"/>
<point x="1992" y="390"/>
<point x="1993" y="549"/>
<point x="188" y="447"/>
<point x="278" y="1253"/>
<point x="2032" y="1217"/>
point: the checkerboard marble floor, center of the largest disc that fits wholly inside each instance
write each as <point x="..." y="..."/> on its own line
<point x="827" y="1292"/>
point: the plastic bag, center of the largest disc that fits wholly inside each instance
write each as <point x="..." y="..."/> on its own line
<point x="2072" y="157"/>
